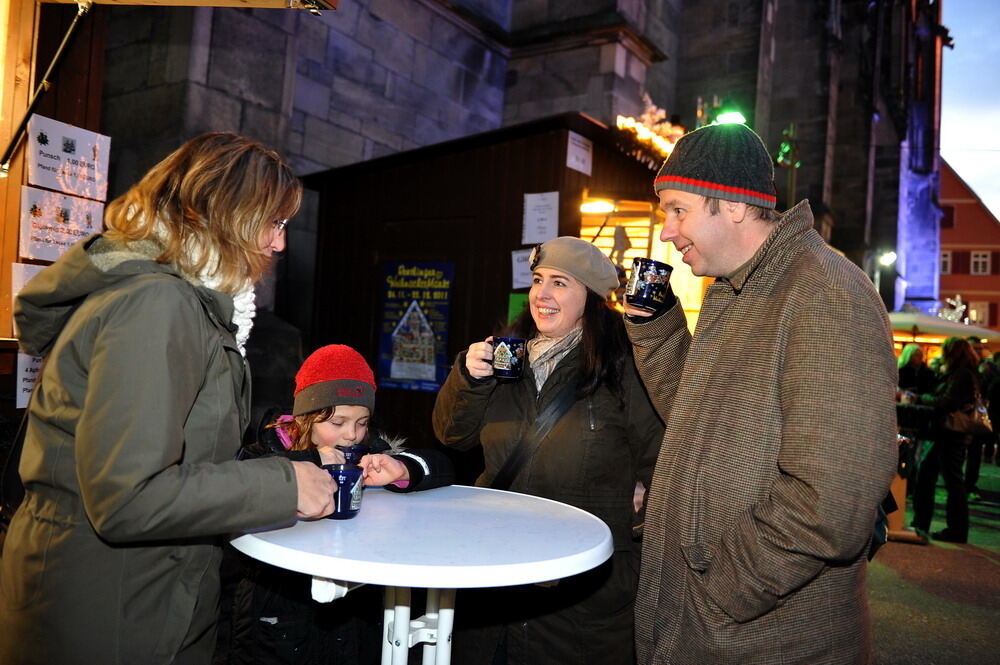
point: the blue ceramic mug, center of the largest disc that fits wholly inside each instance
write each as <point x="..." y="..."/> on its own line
<point x="508" y="357"/>
<point x="648" y="284"/>
<point x="347" y="497"/>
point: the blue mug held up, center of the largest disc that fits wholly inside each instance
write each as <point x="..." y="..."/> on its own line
<point x="347" y="497"/>
<point x="648" y="284"/>
<point x="508" y="357"/>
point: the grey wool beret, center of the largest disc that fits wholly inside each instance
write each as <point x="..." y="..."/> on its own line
<point x="577" y="258"/>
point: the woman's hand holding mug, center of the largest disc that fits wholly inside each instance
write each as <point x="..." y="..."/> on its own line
<point x="479" y="359"/>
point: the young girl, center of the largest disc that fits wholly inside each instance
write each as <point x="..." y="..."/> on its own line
<point x="275" y="619"/>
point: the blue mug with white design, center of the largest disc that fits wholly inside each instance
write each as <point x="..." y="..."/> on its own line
<point x="508" y="357"/>
<point x="347" y="497"/>
<point x="648" y="284"/>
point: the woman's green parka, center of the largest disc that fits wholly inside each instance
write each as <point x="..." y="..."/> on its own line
<point x="128" y="465"/>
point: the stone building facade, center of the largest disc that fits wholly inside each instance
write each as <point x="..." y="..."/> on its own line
<point x="376" y="77"/>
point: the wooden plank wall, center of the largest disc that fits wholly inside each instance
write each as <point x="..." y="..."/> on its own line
<point x="463" y="207"/>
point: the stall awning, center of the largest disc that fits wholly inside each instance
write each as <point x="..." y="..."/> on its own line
<point x="918" y="324"/>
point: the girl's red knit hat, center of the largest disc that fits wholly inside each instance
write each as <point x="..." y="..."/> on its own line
<point x="333" y="375"/>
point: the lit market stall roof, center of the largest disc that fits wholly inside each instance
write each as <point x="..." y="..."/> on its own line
<point x="924" y="328"/>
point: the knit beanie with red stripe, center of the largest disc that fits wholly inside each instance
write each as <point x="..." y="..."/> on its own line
<point x="333" y="375"/>
<point x="726" y="162"/>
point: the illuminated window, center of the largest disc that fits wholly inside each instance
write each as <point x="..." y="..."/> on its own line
<point x="979" y="313"/>
<point x="628" y="218"/>
<point x="636" y="226"/>
<point x="980" y="263"/>
<point x="946" y="262"/>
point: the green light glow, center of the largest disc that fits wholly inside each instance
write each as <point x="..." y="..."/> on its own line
<point x="731" y="118"/>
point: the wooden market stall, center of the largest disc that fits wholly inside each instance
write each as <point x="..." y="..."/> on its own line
<point x="459" y="205"/>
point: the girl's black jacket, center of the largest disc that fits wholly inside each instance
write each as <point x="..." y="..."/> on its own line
<point x="274" y="618"/>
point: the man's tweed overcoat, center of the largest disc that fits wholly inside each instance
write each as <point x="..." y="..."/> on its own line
<point x="780" y="443"/>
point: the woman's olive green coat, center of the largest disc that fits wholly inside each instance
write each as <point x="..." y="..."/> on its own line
<point x="128" y="466"/>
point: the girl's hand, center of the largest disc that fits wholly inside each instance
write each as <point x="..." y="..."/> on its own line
<point x="479" y="359"/>
<point x="331" y="455"/>
<point x="382" y="470"/>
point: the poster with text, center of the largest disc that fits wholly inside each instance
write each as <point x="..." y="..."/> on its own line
<point x="414" y="329"/>
<point x="579" y="153"/>
<point x="27" y="366"/>
<point x="27" y="375"/>
<point x="67" y="158"/>
<point x="541" y="218"/>
<point x="51" y="222"/>
<point x="520" y="269"/>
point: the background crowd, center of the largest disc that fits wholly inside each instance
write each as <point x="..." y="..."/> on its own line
<point x="954" y="381"/>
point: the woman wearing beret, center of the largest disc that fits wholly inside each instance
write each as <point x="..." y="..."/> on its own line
<point x="605" y="439"/>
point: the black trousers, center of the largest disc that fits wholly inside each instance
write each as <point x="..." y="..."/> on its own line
<point x="946" y="457"/>
<point x="585" y="619"/>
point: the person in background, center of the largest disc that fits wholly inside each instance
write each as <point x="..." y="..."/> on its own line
<point x="128" y="463"/>
<point x="980" y="447"/>
<point x="604" y="441"/>
<point x="991" y="391"/>
<point x="781" y="427"/>
<point x="914" y="375"/>
<point x="936" y="366"/>
<point x="275" y="619"/>
<point x="957" y="390"/>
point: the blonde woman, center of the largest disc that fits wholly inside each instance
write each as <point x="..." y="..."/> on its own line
<point x="128" y="467"/>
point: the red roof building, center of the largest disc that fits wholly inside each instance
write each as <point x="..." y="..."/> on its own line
<point x="970" y="250"/>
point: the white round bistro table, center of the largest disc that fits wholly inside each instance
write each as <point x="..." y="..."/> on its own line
<point x="443" y="539"/>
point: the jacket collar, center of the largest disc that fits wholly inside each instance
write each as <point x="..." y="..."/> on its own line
<point x="791" y="224"/>
<point x="46" y="303"/>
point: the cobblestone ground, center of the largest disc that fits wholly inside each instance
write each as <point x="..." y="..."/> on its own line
<point x="939" y="604"/>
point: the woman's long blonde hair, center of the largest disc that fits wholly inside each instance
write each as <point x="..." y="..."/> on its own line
<point x="209" y="203"/>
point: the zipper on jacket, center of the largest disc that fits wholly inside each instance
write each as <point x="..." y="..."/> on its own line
<point x="590" y="413"/>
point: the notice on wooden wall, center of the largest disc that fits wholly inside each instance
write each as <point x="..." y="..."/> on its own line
<point x="519" y="269"/>
<point x="67" y="159"/>
<point x="541" y="218"/>
<point x="27" y="375"/>
<point x="51" y="222"/>
<point x="579" y="153"/>
<point x="27" y="366"/>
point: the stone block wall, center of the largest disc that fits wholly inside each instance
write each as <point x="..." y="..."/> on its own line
<point x="380" y="76"/>
<point x="719" y="55"/>
<point x="803" y="80"/>
<point x="371" y="78"/>
<point x="174" y="73"/>
<point x="592" y="56"/>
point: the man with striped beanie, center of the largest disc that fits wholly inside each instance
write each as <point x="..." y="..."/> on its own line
<point x="780" y="440"/>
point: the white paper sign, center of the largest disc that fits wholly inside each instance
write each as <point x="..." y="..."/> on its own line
<point x="21" y="274"/>
<point x="541" y="218"/>
<point x="27" y="374"/>
<point x="51" y="222"/>
<point x="519" y="269"/>
<point x="579" y="153"/>
<point x="67" y="158"/>
<point x="27" y="366"/>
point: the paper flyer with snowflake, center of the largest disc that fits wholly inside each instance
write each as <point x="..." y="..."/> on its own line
<point x="51" y="222"/>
